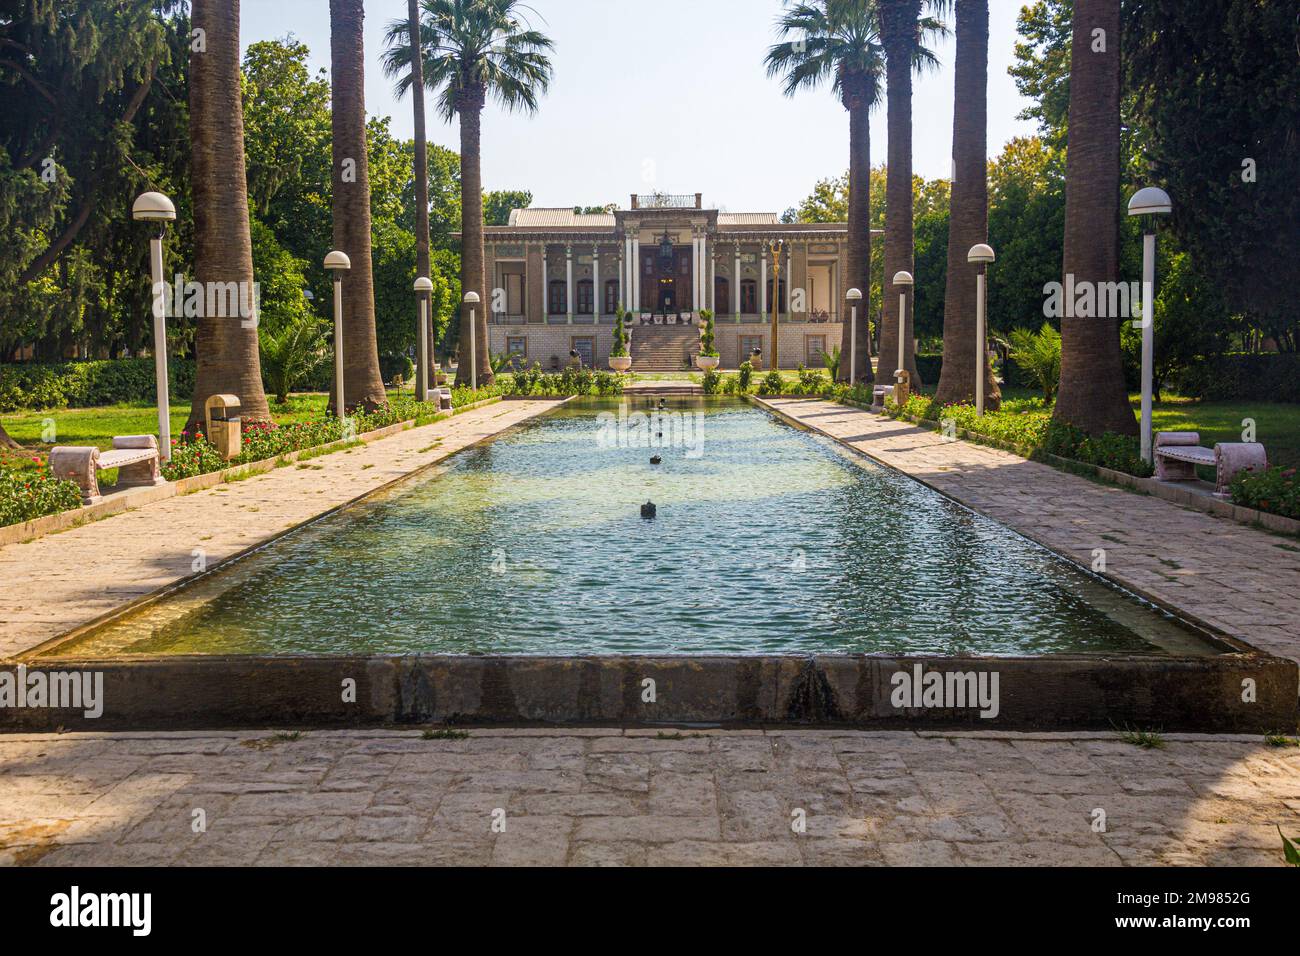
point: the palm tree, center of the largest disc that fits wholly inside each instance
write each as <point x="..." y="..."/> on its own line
<point x="901" y="32"/>
<point x="968" y="222"/>
<point x="473" y="50"/>
<point x="1093" y="396"/>
<point x="363" y="384"/>
<point x="423" y="377"/>
<point x="839" y="41"/>
<point x="226" y="347"/>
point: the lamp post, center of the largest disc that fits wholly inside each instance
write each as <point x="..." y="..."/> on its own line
<point x="981" y="255"/>
<point x="155" y="207"/>
<point x="1151" y="201"/>
<point x="776" y="248"/>
<point x="423" y="286"/>
<point x="471" y="300"/>
<point x="338" y="263"/>
<point x="904" y="281"/>
<point x="854" y="296"/>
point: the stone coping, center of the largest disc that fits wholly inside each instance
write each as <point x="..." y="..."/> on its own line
<point x="1051" y="693"/>
<point x="132" y="498"/>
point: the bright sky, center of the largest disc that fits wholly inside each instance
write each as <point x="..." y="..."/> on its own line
<point x="668" y="95"/>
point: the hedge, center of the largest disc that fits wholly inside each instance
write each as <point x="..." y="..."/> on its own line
<point x="88" y="384"/>
<point x="1241" y="376"/>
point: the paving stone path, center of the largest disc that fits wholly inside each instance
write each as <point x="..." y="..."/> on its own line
<point x="61" y="581"/>
<point x="1243" y="581"/>
<point x="604" y="796"/>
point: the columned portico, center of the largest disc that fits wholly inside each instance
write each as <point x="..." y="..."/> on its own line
<point x="671" y="258"/>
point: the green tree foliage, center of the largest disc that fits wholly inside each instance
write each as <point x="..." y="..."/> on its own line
<point x="497" y="205"/>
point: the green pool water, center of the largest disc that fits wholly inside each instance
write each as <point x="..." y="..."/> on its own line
<point x="767" y="540"/>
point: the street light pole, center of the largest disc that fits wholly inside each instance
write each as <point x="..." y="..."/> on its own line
<point x="472" y="299"/>
<point x="776" y="248"/>
<point x="155" y="207"/>
<point x="854" y="296"/>
<point x="1151" y="201"/>
<point x="981" y="255"/>
<point x="904" y="281"/>
<point x="423" y="286"/>
<point x="338" y="263"/>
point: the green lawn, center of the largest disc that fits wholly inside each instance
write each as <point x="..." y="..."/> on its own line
<point x="98" y="426"/>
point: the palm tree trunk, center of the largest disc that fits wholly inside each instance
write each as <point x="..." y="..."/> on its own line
<point x="5" y="440"/>
<point x="470" y="109"/>
<point x="898" y="24"/>
<point x="363" y="385"/>
<point x="423" y="376"/>
<point x="859" y="257"/>
<point x="225" y="346"/>
<point x="968" y="222"/>
<point x="1092" y="395"/>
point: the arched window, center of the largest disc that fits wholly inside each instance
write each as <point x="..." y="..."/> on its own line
<point x="585" y="298"/>
<point x="721" y="295"/>
<point x="558" y="301"/>
<point x="611" y="296"/>
<point x="749" y="297"/>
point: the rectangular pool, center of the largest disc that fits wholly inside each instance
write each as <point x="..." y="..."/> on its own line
<point x="767" y="540"/>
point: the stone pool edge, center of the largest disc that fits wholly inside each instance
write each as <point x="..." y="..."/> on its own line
<point x="1231" y="693"/>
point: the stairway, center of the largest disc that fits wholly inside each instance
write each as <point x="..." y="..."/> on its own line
<point x="664" y="348"/>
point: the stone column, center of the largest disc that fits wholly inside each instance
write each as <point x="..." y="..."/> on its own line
<point x="735" y="285"/>
<point x="799" y="280"/>
<point x="597" y="299"/>
<point x="636" y="273"/>
<point x="535" y="282"/>
<point x="568" y="276"/>
<point x="762" y="279"/>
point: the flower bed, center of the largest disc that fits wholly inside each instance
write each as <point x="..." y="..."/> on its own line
<point x="1028" y="426"/>
<point x="1276" y="491"/>
<point x="28" y="489"/>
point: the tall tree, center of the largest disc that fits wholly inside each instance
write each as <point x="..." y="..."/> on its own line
<point x="226" y="346"/>
<point x="901" y="31"/>
<point x="839" y="41"/>
<point x="968" y="222"/>
<point x="423" y="375"/>
<point x="1093" y="396"/>
<point x="363" y="385"/>
<point x="474" y="49"/>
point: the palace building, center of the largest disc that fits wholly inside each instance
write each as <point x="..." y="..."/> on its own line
<point x="557" y="278"/>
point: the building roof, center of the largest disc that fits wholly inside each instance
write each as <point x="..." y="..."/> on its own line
<point x="544" y="218"/>
<point x="747" y="219"/>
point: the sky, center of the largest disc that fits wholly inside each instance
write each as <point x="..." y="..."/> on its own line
<point x="667" y="95"/>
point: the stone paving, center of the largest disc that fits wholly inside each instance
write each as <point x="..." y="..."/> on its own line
<point x="605" y="796"/>
<point x="64" y="580"/>
<point x="1243" y="581"/>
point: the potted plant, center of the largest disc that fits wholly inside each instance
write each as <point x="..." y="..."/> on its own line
<point x="619" y="359"/>
<point x="708" y="358"/>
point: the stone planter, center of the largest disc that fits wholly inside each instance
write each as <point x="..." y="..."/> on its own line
<point x="620" y="363"/>
<point x="707" y="362"/>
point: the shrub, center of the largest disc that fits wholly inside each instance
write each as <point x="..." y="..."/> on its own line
<point x="34" y="492"/>
<point x="89" y="384"/>
<point x="620" y="335"/>
<point x="712" y="381"/>
<point x="772" y="384"/>
<point x="707" y="336"/>
<point x="744" y="376"/>
<point x="1275" y="490"/>
<point x="831" y="360"/>
<point x="1268" y="377"/>
<point x="1039" y="355"/>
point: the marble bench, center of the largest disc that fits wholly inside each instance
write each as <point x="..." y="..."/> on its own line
<point x="135" y="456"/>
<point x="1177" y="454"/>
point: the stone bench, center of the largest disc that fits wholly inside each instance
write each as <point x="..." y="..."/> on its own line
<point x="879" y="393"/>
<point x="135" y="456"/>
<point x="443" y="398"/>
<point x="1177" y="454"/>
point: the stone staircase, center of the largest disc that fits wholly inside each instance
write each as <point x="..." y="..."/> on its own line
<point x="664" y="348"/>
